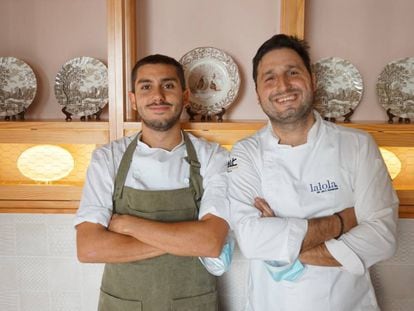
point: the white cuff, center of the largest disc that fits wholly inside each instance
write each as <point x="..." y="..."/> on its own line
<point x="93" y="214"/>
<point x="297" y="231"/>
<point x="345" y="256"/>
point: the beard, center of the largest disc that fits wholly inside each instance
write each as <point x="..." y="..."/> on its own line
<point x="291" y="115"/>
<point x="162" y="125"/>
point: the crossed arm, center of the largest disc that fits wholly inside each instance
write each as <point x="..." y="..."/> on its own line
<point x="130" y="238"/>
<point x="313" y="250"/>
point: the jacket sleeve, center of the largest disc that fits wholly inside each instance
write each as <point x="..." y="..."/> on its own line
<point x="264" y="238"/>
<point x="376" y="205"/>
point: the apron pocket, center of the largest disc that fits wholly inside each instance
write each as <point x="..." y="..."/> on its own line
<point x="206" y="302"/>
<point x="112" y="303"/>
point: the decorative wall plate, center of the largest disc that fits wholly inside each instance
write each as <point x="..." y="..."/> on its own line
<point x="395" y="88"/>
<point x="81" y="86"/>
<point x="213" y="79"/>
<point x="338" y="88"/>
<point x="17" y="86"/>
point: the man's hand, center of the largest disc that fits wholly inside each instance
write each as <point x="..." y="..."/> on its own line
<point x="121" y="223"/>
<point x="263" y="207"/>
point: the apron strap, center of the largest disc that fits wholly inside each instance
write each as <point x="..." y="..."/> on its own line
<point x="124" y="168"/>
<point x="196" y="181"/>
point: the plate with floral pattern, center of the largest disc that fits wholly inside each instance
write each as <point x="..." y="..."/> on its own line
<point x="213" y="79"/>
<point x="395" y="88"/>
<point x="81" y="86"/>
<point x="18" y="86"/>
<point x="339" y="87"/>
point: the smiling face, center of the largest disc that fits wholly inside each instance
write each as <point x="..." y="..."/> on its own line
<point x="284" y="87"/>
<point x="158" y="98"/>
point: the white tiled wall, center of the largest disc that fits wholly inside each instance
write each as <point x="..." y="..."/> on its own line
<point x="39" y="270"/>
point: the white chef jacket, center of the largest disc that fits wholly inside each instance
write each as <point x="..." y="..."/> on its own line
<point x="337" y="168"/>
<point x="153" y="169"/>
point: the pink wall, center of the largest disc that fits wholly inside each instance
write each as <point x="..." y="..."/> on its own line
<point x="47" y="33"/>
<point x="236" y="26"/>
<point x="368" y="33"/>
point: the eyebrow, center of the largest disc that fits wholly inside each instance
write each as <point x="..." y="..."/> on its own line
<point x="163" y="80"/>
<point x="271" y="71"/>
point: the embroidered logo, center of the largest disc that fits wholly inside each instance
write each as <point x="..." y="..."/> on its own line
<point x="231" y="164"/>
<point x="323" y="187"/>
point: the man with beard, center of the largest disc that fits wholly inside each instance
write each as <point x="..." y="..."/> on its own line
<point x="152" y="203"/>
<point x="311" y="202"/>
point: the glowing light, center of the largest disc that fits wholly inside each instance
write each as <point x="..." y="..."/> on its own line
<point x="45" y="163"/>
<point x="392" y="162"/>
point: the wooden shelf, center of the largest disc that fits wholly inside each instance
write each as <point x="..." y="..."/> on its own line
<point x="228" y="132"/>
<point x="54" y="132"/>
<point x="37" y="192"/>
<point x="65" y="198"/>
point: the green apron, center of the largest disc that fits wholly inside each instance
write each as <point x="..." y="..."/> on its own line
<point x="166" y="282"/>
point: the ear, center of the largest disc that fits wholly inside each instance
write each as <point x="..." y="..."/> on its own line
<point x="313" y="82"/>
<point x="258" y="99"/>
<point x="186" y="97"/>
<point x="132" y="100"/>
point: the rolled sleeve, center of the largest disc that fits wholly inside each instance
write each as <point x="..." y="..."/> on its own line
<point x="376" y="205"/>
<point x="345" y="256"/>
<point x="94" y="214"/>
<point x="271" y="238"/>
<point x="214" y="172"/>
<point x="263" y="238"/>
<point x="96" y="202"/>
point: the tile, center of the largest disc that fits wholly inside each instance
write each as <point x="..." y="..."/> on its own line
<point x="405" y="250"/>
<point x="7" y="239"/>
<point x="31" y="239"/>
<point x="35" y="301"/>
<point x="32" y="273"/>
<point x="64" y="274"/>
<point x="7" y="219"/>
<point x="234" y="282"/>
<point x="232" y="303"/>
<point x="9" y="301"/>
<point x="90" y="300"/>
<point x="61" y="240"/>
<point x="91" y="276"/>
<point x="393" y="281"/>
<point x="29" y="218"/>
<point x="8" y="275"/>
<point x="66" y="301"/>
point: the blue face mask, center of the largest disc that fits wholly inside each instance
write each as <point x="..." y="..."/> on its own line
<point x="217" y="266"/>
<point x="289" y="272"/>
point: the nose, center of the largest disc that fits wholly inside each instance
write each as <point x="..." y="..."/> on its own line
<point x="158" y="95"/>
<point x="283" y="83"/>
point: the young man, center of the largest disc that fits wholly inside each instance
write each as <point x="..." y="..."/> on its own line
<point x="154" y="202"/>
<point x="325" y="207"/>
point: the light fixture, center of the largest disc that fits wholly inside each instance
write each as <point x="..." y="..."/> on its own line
<point x="45" y="163"/>
<point x="392" y="162"/>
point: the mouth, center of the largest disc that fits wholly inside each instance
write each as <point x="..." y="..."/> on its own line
<point x="159" y="107"/>
<point x="285" y="98"/>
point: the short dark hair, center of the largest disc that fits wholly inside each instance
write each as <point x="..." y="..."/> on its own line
<point x="158" y="59"/>
<point x="281" y="41"/>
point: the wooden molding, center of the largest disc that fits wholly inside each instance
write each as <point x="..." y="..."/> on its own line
<point x="130" y="52"/>
<point x="116" y="68"/>
<point x="39" y="207"/>
<point x="292" y="17"/>
<point x="54" y="132"/>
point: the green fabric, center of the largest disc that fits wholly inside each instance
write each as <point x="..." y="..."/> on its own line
<point x="166" y="282"/>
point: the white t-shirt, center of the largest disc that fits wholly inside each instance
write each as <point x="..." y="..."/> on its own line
<point x="153" y="169"/>
<point x="337" y="168"/>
